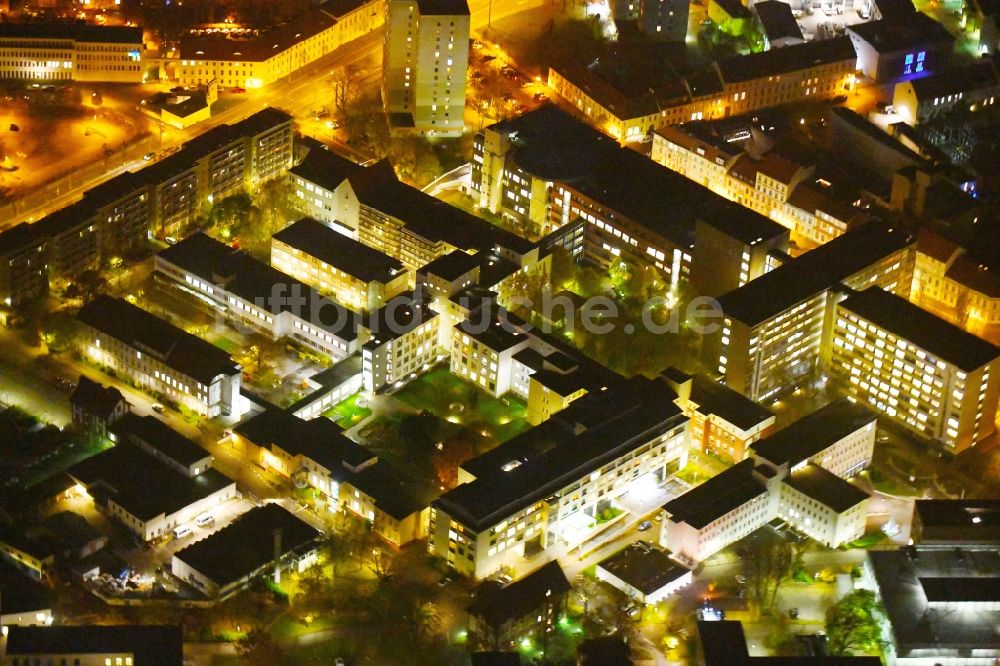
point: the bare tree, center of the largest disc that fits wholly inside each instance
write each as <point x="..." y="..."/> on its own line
<point x="766" y="566"/>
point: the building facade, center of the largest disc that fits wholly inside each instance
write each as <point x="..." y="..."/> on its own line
<point x="927" y="375"/>
<point x="61" y="52"/>
<point x="425" y="58"/>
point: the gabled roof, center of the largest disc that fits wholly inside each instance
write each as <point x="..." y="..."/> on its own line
<point x="178" y="349"/>
<point x="342" y="252"/>
<point x="95" y="398"/>
<point x="319" y="439"/>
<point x="498" y="605"/>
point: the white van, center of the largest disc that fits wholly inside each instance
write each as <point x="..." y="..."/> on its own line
<point x="204" y="519"/>
<point x="182" y="531"/>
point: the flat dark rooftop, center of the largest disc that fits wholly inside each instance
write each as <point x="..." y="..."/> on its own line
<point x="256" y="282"/>
<point x="401" y="314"/>
<point x="185" y="353"/>
<point x="826" y="488"/>
<point x="902" y="31"/>
<point x="777" y="19"/>
<point x="75" y="30"/>
<point x="498" y="605"/>
<point x="977" y="76"/>
<point x="319" y="439"/>
<point x="813" y="433"/>
<point x="644" y="567"/>
<point x="161" y="437"/>
<point x="813" y="272"/>
<point x="788" y="59"/>
<point x="898" y="574"/>
<point x="21" y="594"/>
<point x="934" y="335"/>
<point x="718" y="496"/>
<point x="443" y="7"/>
<point x="936" y="514"/>
<point x="960" y="589"/>
<point x="451" y="266"/>
<point x="150" y="645"/>
<point x="340" y="251"/>
<point x="487" y="500"/>
<point x="247" y="544"/>
<point x="144" y="485"/>
<point x="715" y="398"/>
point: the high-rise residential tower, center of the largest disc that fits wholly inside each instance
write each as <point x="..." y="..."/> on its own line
<point x="425" y="58"/>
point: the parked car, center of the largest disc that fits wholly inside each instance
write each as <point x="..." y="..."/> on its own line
<point x="182" y="531"/>
<point x="239" y="90"/>
<point x="148" y="156"/>
<point x="645" y="525"/>
<point x="204" y="520"/>
<point x="157" y="407"/>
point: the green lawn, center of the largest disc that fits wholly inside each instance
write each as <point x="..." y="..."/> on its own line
<point x="225" y="344"/>
<point x="450" y="398"/>
<point x="348" y="413"/>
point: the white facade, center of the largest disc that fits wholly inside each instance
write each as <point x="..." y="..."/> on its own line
<point x="221" y="396"/>
<point x="425" y="59"/>
<point x="162" y="524"/>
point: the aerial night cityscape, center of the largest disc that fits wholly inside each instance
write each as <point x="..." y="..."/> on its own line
<point x="499" y="332"/>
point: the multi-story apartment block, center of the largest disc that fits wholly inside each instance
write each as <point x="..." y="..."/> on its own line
<point x="975" y="86"/>
<point x="839" y="437"/>
<point x="372" y="205"/>
<point x="111" y="219"/>
<point x="223" y="161"/>
<point x="773" y="185"/>
<point x="924" y="373"/>
<point x="164" y="198"/>
<point x="723" y="422"/>
<point x="265" y="57"/>
<point x="403" y="339"/>
<point x="776" y="329"/>
<point x="425" y="58"/>
<point x="353" y="274"/>
<point x="502" y="616"/>
<point x="740" y="84"/>
<point x="765" y="184"/>
<point x="258" y="296"/>
<point x="161" y="357"/>
<point x="71" y="52"/>
<point x="545" y="486"/>
<point x="549" y="170"/>
<point x="956" y="283"/>
<point x="316" y="190"/>
<point x="734" y="250"/>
